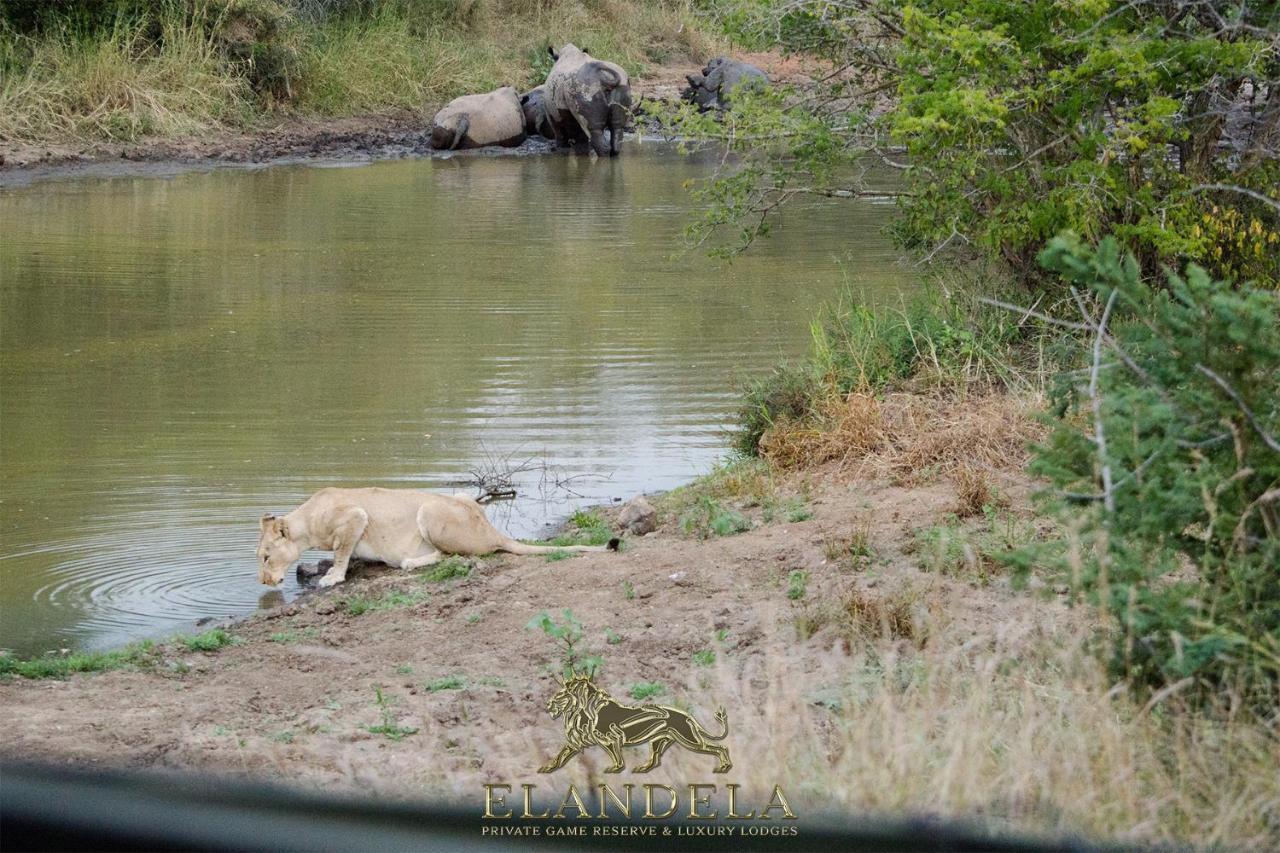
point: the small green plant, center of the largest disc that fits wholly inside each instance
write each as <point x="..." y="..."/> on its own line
<point x="557" y="556"/>
<point x="389" y="727"/>
<point x="359" y="605"/>
<point x="797" y="584"/>
<point x="704" y="657"/>
<point x="450" y="568"/>
<point x="710" y="518"/>
<point x="404" y="669"/>
<point x="447" y="682"/>
<point x="473" y="618"/>
<point x="568" y="634"/>
<point x="612" y="637"/>
<point x="209" y="641"/>
<point x="291" y="636"/>
<point x="286" y="736"/>
<point x="643" y="690"/>
<point x="628" y="591"/>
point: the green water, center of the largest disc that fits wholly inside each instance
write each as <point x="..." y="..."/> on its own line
<point x="180" y="354"/>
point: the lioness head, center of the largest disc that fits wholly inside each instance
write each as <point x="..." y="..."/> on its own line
<point x="276" y="551"/>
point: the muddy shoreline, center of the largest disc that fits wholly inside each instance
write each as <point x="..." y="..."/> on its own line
<point x="285" y="139"/>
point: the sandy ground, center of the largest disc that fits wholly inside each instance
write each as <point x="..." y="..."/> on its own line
<point x="293" y="700"/>
<point x="392" y="134"/>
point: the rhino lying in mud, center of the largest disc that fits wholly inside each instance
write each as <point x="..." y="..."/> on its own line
<point x="472" y="121"/>
<point x="534" y="105"/>
<point x="712" y="89"/>
<point x="587" y="96"/>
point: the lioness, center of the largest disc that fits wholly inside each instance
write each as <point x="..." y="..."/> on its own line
<point x="399" y="527"/>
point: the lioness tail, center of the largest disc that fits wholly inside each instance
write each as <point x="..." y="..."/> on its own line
<point x="511" y="546"/>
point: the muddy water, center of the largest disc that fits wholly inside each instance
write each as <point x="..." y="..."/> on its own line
<point x="181" y="354"/>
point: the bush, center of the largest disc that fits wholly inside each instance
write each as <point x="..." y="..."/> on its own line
<point x="953" y="344"/>
<point x="1173" y="484"/>
<point x="1020" y="119"/>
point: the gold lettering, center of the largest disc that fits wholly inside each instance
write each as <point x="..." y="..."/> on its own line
<point x="781" y="803"/>
<point x="577" y="803"/>
<point x="490" y="801"/>
<point x="606" y="791"/>
<point x="648" y="801"/>
<point x="695" y="801"/>
<point x="733" y="805"/>
<point x="528" y="802"/>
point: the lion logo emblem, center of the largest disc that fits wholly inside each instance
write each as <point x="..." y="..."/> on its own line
<point x="594" y="718"/>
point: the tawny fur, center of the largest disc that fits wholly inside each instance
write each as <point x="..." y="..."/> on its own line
<point x="400" y="527"/>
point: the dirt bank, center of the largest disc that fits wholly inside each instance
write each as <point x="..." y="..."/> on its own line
<point x="294" y="698"/>
<point x="386" y="135"/>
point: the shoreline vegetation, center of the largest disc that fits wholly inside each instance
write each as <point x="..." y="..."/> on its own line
<point x="158" y="79"/>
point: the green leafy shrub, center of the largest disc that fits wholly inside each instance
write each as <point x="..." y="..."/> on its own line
<point x="1020" y="119"/>
<point x="568" y="635"/>
<point x="1174" y="480"/>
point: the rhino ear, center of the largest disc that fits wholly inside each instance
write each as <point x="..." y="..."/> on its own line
<point x="551" y="50"/>
<point x="524" y="99"/>
<point x="586" y="50"/>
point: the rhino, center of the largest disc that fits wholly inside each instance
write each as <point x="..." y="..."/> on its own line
<point x="587" y="96"/>
<point x="712" y="89"/>
<point x="473" y="121"/>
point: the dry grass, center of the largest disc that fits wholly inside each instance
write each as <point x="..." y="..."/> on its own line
<point x="119" y="86"/>
<point x="973" y="490"/>
<point x="904" y="612"/>
<point x="127" y="83"/>
<point x="909" y="437"/>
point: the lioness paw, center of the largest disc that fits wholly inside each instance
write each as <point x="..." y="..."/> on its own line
<point x="330" y="580"/>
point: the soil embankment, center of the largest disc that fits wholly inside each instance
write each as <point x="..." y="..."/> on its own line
<point x="727" y="620"/>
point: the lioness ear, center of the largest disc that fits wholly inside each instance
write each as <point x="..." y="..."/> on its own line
<point x="267" y="518"/>
<point x="283" y="528"/>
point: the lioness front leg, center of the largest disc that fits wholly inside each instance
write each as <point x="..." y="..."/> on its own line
<point x="347" y="530"/>
<point x="559" y="761"/>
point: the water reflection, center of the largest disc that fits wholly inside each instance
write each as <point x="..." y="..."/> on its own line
<point x="183" y="354"/>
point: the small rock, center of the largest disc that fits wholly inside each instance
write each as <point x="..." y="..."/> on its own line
<point x="1034" y="582"/>
<point x="638" y="516"/>
<point x="324" y="608"/>
<point x="678" y="576"/>
<point x="1061" y="588"/>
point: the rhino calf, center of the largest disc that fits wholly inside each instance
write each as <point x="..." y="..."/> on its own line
<point x="536" y="121"/>
<point x="473" y="121"/>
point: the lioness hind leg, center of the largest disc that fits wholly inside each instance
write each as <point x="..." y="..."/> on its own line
<point x="658" y="745"/>
<point x="418" y="562"/>
<point x="347" y="529"/>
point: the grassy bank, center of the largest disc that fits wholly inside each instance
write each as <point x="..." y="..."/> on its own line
<point x="178" y="67"/>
